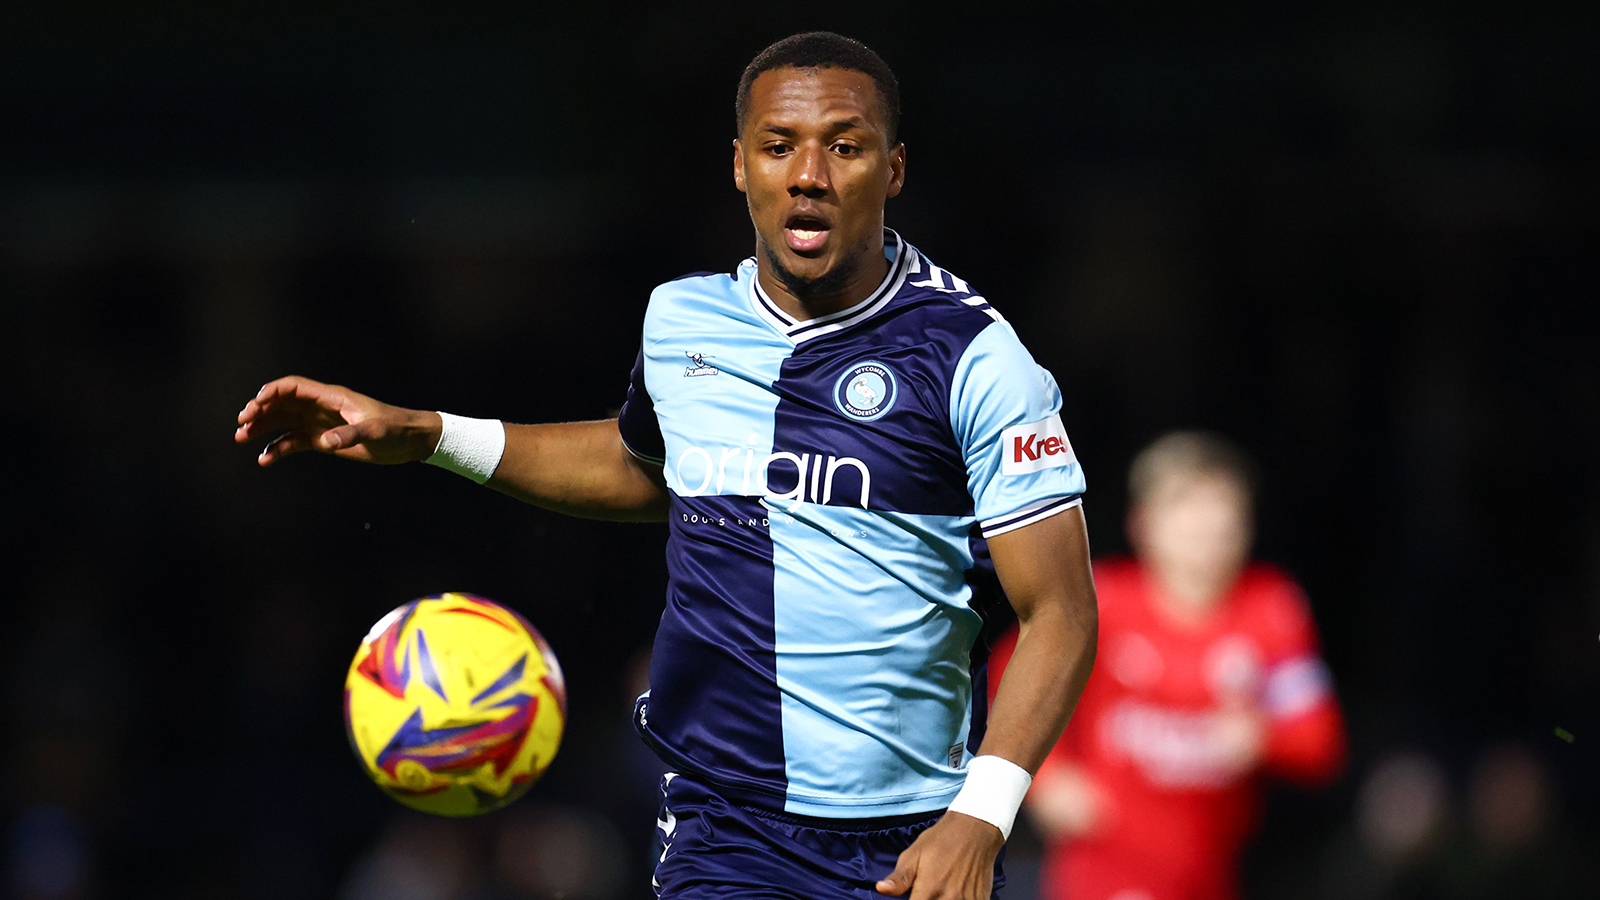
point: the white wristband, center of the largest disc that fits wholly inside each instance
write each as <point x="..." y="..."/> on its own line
<point x="470" y="447"/>
<point x="993" y="792"/>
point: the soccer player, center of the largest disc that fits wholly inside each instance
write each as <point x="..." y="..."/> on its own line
<point x="1210" y="678"/>
<point x="848" y="443"/>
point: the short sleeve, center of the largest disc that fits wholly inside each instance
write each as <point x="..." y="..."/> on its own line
<point x="1297" y="680"/>
<point x="1005" y="411"/>
<point x="641" y="432"/>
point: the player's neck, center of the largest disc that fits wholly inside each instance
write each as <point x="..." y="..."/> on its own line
<point x="803" y="305"/>
<point x="1188" y="601"/>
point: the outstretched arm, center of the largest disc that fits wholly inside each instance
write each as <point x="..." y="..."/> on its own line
<point x="1044" y="568"/>
<point x="578" y="468"/>
<point x="581" y="469"/>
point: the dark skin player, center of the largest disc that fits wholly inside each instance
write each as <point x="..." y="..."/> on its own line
<point x="816" y="165"/>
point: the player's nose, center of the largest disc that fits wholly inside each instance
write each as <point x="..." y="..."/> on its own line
<point x="808" y="174"/>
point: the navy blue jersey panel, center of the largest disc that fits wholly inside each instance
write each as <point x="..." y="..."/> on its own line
<point x="637" y="421"/>
<point x="713" y="673"/>
<point x="979" y="725"/>
<point x="880" y="395"/>
<point x="989" y="601"/>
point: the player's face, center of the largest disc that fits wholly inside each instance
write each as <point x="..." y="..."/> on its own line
<point x="1195" y="531"/>
<point x="816" y="166"/>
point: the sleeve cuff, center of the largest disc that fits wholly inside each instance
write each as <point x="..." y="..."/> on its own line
<point x="1029" y="514"/>
<point x="642" y="457"/>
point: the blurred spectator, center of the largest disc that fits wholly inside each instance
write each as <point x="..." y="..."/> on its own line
<point x="534" y="851"/>
<point x="1506" y="842"/>
<point x="1508" y="801"/>
<point x="1513" y="845"/>
<point x="551" y="852"/>
<point x="1208" y="678"/>
<point x="1402" y="808"/>
<point x="1400" y="823"/>
<point x="419" y="858"/>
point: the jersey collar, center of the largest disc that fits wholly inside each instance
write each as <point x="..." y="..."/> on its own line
<point x="899" y="254"/>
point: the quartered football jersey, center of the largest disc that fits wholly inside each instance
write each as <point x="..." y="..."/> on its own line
<point x="832" y="481"/>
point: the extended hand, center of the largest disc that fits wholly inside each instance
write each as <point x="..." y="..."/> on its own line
<point x="953" y="860"/>
<point x="296" y="414"/>
<point x="1238" y="738"/>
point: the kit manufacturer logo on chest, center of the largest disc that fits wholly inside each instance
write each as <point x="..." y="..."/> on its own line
<point x="700" y="366"/>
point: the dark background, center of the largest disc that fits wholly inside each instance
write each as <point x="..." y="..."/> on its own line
<point x="1358" y="238"/>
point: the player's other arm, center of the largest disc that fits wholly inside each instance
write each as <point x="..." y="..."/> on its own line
<point x="578" y="468"/>
<point x="1044" y="568"/>
<point x="1304" y="738"/>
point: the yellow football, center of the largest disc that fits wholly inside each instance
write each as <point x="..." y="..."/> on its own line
<point x="454" y="705"/>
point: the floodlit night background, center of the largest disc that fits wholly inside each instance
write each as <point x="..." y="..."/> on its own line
<point x="1360" y="240"/>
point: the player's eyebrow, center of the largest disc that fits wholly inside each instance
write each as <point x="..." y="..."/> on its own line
<point x="833" y="127"/>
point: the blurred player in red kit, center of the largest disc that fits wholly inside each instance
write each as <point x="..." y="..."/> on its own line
<point x="1209" y="678"/>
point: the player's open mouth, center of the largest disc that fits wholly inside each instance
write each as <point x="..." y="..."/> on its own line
<point x="805" y="234"/>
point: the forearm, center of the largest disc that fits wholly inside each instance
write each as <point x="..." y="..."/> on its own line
<point x="580" y="469"/>
<point x="1310" y="748"/>
<point x="1046" y="676"/>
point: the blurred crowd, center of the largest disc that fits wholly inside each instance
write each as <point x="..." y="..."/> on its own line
<point x="1358" y="241"/>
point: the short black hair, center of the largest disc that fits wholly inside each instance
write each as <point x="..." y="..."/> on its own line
<point x="823" y="50"/>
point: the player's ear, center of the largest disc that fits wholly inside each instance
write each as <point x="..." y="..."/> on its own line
<point x="897" y="169"/>
<point x="738" y="165"/>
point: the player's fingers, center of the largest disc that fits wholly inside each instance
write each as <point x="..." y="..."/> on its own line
<point x="295" y="387"/>
<point x="275" y="420"/>
<point x="284" y="445"/>
<point x="899" y="881"/>
<point x="288" y="384"/>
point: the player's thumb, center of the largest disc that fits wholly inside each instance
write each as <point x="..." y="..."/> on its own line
<point x="343" y="437"/>
<point x="899" y="881"/>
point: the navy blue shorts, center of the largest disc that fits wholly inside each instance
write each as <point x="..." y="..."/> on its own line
<point x="715" y="849"/>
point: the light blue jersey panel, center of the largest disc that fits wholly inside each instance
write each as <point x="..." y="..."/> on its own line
<point x="1006" y="412"/>
<point x="872" y="634"/>
<point x="710" y="366"/>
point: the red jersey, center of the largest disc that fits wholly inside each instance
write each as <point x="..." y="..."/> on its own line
<point x="1146" y="732"/>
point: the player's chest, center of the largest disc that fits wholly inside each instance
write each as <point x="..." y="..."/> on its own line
<point x="1183" y="670"/>
<point x="828" y="421"/>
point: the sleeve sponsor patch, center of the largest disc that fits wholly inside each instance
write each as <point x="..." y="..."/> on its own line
<point x="1035" y="446"/>
<point x="1296" y="685"/>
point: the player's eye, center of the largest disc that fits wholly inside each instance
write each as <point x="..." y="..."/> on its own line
<point x="846" y="149"/>
<point x="779" y="149"/>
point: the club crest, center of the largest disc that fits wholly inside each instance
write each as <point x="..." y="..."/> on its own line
<point x="865" y="391"/>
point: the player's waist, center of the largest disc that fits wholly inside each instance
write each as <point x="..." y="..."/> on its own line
<point x="759" y="804"/>
<point x="756" y="784"/>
